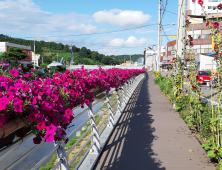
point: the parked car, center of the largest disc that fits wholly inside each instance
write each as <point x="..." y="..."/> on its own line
<point x="203" y="76"/>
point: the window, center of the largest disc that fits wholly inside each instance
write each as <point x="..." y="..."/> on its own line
<point x="212" y="7"/>
<point x="204" y="73"/>
<point x="201" y="36"/>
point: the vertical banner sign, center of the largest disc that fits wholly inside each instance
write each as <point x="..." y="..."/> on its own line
<point x="213" y="41"/>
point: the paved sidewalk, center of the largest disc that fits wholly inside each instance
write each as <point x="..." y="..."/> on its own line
<point x="151" y="136"/>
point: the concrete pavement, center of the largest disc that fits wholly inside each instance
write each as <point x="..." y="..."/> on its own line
<point x="151" y="136"/>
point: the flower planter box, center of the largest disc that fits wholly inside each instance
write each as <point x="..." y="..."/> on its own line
<point x="10" y="129"/>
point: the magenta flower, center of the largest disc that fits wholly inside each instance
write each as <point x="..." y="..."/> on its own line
<point x="14" y="72"/>
<point x="49" y="137"/>
<point x="20" y="69"/>
<point x="33" y="100"/>
<point x="37" y="140"/>
<point x="2" y="119"/>
<point x="33" y="117"/>
<point x="51" y="129"/>
<point x="32" y="70"/>
<point x="41" y="125"/>
<point x="56" y="120"/>
<point x="26" y="75"/>
<point x="66" y="119"/>
<point x="68" y="111"/>
<point x="2" y="104"/>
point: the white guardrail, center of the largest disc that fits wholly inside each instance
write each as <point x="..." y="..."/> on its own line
<point x="91" y="67"/>
<point x="98" y="138"/>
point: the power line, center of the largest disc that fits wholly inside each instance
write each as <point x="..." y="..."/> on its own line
<point x="97" y="32"/>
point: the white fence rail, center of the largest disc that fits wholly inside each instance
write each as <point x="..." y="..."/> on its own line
<point x="91" y="67"/>
<point x="97" y="138"/>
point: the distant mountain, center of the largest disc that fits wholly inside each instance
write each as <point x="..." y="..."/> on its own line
<point x="134" y="57"/>
<point x="50" y="50"/>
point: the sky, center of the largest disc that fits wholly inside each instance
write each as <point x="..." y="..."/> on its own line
<point x="131" y="25"/>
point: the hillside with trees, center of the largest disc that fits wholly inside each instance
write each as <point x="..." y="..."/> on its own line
<point x="50" y="50"/>
<point x="134" y="57"/>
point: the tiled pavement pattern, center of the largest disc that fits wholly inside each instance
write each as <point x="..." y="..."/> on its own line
<point x="151" y="136"/>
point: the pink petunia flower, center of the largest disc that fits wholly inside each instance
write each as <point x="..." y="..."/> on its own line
<point x="32" y="70"/>
<point x="14" y="72"/>
<point x="2" y="104"/>
<point x="49" y="137"/>
<point x="68" y="111"/>
<point x="66" y="119"/>
<point x="51" y="129"/>
<point x="26" y="75"/>
<point x="33" y="117"/>
<point x="41" y="125"/>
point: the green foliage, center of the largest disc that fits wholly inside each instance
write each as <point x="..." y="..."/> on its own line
<point x="13" y="54"/>
<point x="43" y="65"/>
<point x="134" y="57"/>
<point x="49" y="164"/>
<point x="50" y="50"/>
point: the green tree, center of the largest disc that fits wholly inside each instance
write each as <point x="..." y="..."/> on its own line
<point x="14" y="54"/>
<point x="43" y="65"/>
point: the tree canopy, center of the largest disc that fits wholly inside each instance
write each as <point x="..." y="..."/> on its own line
<point x="14" y="54"/>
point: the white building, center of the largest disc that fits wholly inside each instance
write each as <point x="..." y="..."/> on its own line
<point x="150" y="59"/>
<point x="208" y="6"/>
<point x="35" y="59"/>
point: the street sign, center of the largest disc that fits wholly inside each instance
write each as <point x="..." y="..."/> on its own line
<point x="173" y="36"/>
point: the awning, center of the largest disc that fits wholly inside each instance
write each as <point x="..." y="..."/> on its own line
<point x="213" y="53"/>
<point x="54" y="64"/>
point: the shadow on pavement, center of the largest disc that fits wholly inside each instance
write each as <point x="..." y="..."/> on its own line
<point x="129" y="147"/>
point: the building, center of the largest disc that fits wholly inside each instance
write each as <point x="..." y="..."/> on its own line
<point x="4" y="46"/>
<point x="150" y="59"/>
<point x="35" y="59"/>
<point x="208" y="6"/>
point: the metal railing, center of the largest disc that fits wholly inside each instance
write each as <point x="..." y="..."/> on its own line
<point x="91" y="67"/>
<point x="111" y="109"/>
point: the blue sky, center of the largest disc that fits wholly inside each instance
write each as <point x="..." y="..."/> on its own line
<point x="44" y="18"/>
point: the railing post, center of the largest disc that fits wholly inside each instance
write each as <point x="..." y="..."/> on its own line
<point x="61" y="155"/>
<point x="119" y="104"/>
<point x="111" y="116"/>
<point x="95" y="134"/>
<point x="124" y="95"/>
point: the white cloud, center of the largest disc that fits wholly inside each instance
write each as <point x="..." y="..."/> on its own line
<point x="122" y="18"/>
<point x="130" y="42"/>
<point x="87" y="29"/>
<point x="25" y="17"/>
<point x="107" y="51"/>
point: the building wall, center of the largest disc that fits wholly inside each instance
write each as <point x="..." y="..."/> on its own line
<point x="208" y="7"/>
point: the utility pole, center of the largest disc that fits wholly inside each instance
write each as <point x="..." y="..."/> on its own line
<point x="34" y="52"/>
<point x="159" y="38"/>
<point x="181" y="31"/>
<point x="130" y="59"/>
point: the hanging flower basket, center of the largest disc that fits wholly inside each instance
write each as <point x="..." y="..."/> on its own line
<point x="10" y="129"/>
